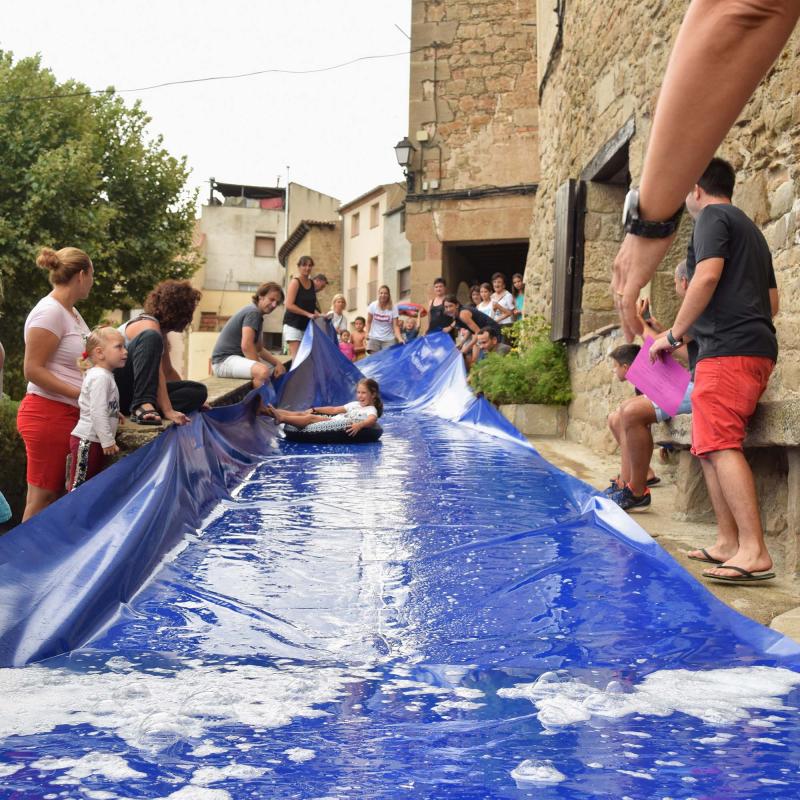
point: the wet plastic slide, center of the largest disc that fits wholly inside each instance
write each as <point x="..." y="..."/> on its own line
<point x="442" y="614"/>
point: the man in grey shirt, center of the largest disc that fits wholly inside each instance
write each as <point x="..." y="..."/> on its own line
<point x="487" y="342"/>
<point x="239" y="352"/>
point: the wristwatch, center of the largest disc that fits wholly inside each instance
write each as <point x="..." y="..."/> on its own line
<point x="646" y="228"/>
<point x="673" y="342"/>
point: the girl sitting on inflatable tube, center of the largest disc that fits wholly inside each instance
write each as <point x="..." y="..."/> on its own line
<point x="362" y="413"/>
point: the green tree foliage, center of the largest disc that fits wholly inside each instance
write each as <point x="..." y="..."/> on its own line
<point x="12" y="461"/>
<point x="535" y="371"/>
<point x="81" y="170"/>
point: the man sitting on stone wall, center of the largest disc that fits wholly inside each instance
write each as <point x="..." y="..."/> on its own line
<point x="487" y="342"/>
<point x="729" y="306"/>
<point x="630" y="423"/>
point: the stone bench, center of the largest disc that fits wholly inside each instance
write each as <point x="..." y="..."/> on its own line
<point x="776" y="424"/>
<point x="221" y="392"/>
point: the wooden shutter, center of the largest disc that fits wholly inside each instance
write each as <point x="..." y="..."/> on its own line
<point x="567" y="262"/>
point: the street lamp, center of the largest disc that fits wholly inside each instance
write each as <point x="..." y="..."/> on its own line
<point x="404" y="151"/>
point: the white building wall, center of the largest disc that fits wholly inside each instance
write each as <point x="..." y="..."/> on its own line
<point x="358" y="251"/>
<point x="230" y="246"/>
<point x="396" y="250"/>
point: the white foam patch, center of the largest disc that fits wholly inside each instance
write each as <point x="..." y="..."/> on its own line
<point x="734" y="691"/>
<point x="299" y="754"/>
<point x="719" y="738"/>
<point x="9" y="769"/>
<point x="105" y="765"/>
<point x="453" y="705"/>
<point x="641" y="775"/>
<point x="536" y="773"/>
<point x="152" y="712"/>
<point x="207" y="775"/>
<point x="206" y="749"/>
<point x="197" y="793"/>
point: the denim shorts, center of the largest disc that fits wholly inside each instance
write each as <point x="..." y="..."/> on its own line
<point x="684" y="408"/>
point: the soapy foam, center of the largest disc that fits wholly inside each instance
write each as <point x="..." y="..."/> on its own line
<point x="197" y="793"/>
<point x="104" y="765"/>
<point x="536" y="773"/>
<point x="299" y="754"/>
<point x="243" y="772"/>
<point x="735" y="691"/>
<point x="152" y="712"/>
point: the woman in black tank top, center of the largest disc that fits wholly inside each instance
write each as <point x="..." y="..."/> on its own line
<point x="469" y="319"/>
<point x="301" y="305"/>
<point x="437" y="319"/>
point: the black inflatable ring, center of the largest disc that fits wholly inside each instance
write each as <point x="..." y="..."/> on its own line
<point x="336" y="436"/>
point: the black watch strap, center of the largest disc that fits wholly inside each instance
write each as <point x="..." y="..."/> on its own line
<point x="647" y="229"/>
<point x="673" y="342"/>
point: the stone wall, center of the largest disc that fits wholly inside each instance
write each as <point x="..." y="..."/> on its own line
<point x="473" y="118"/>
<point x="473" y="92"/>
<point x="608" y="70"/>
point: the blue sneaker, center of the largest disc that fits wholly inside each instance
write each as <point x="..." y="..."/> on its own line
<point x="613" y="488"/>
<point x="628" y="501"/>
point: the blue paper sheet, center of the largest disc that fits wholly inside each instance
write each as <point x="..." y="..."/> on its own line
<point x="441" y="614"/>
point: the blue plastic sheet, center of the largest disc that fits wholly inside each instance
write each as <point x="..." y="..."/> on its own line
<point x="224" y="614"/>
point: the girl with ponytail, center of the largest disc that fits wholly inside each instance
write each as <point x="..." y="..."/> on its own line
<point x="363" y="412"/>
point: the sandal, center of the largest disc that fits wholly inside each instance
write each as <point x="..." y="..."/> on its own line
<point x="146" y="416"/>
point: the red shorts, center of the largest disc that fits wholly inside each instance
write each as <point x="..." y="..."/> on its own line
<point x="45" y="426"/>
<point x="86" y="459"/>
<point x="726" y="392"/>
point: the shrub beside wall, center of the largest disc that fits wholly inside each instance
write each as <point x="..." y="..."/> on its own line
<point x="12" y="461"/>
<point x="535" y="371"/>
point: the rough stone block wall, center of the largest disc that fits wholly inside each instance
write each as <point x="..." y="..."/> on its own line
<point x="473" y="90"/>
<point x="596" y="390"/>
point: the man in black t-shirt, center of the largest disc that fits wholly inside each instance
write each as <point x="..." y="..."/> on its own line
<point x="730" y="303"/>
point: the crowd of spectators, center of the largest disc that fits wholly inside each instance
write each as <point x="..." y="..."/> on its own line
<point x="82" y="383"/>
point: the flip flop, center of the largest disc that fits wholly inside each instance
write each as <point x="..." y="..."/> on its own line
<point x="743" y="577"/>
<point x="709" y="559"/>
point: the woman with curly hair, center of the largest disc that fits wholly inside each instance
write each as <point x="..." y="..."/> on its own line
<point x="149" y="386"/>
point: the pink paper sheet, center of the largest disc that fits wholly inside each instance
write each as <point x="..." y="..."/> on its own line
<point x="663" y="382"/>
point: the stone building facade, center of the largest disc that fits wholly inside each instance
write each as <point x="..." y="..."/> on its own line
<point x="600" y="67"/>
<point x="473" y="120"/>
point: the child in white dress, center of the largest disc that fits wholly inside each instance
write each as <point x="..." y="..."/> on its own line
<point x="363" y="412"/>
<point x="93" y="438"/>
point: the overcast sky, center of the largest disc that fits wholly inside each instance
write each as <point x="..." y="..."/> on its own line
<point x="335" y="130"/>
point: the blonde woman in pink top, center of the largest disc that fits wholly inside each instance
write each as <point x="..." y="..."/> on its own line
<point x="54" y="342"/>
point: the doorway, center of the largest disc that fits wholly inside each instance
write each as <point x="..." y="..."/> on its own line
<point x="468" y="263"/>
